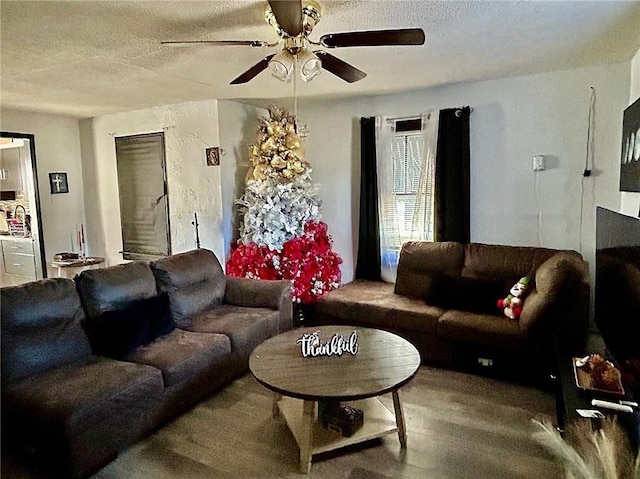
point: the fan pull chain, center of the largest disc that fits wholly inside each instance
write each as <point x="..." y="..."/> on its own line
<point x="295" y="88"/>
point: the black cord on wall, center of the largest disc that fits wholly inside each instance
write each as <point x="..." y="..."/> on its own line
<point x="588" y="161"/>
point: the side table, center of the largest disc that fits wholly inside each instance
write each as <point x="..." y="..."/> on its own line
<point x="569" y="397"/>
<point x="69" y="268"/>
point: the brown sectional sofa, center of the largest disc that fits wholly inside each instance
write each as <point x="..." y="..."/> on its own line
<point x="90" y="366"/>
<point x="444" y="301"/>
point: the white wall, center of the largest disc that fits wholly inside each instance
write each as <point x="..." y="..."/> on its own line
<point x="630" y="202"/>
<point x="238" y="124"/>
<point x="193" y="186"/>
<point x="57" y="142"/>
<point x="512" y="120"/>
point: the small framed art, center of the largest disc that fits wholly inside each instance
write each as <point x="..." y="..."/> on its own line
<point x="213" y="156"/>
<point x="58" y="182"/>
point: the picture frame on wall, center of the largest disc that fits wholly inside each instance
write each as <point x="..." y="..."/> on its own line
<point x="630" y="158"/>
<point x="213" y="156"/>
<point x="58" y="183"/>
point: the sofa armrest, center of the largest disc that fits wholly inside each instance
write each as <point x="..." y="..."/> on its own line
<point x="260" y="293"/>
<point x="559" y="304"/>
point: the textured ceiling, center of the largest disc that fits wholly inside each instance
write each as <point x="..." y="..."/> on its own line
<point x="88" y="58"/>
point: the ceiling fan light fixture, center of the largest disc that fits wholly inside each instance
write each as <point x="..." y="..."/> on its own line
<point x="311" y="13"/>
<point x="282" y="66"/>
<point x="310" y="65"/>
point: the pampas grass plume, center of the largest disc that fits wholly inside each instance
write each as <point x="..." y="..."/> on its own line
<point x="589" y="452"/>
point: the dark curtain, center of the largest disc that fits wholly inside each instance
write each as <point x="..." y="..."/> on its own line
<point x="452" y="190"/>
<point x="368" y="262"/>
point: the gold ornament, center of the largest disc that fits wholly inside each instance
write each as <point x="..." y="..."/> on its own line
<point x="297" y="166"/>
<point x="277" y="162"/>
<point x="260" y="172"/>
<point x="278" y="130"/>
<point x="292" y="141"/>
<point x="268" y="145"/>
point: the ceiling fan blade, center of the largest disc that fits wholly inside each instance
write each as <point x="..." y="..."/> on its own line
<point x="339" y="68"/>
<point x="248" y="43"/>
<point x="288" y="14"/>
<point x="372" y="38"/>
<point x="253" y="71"/>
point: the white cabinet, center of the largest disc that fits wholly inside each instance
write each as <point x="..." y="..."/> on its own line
<point x="10" y="169"/>
<point x="18" y="261"/>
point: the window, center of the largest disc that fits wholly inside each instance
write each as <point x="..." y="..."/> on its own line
<point x="144" y="209"/>
<point x="406" y="181"/>
<point x="412" y="193"/>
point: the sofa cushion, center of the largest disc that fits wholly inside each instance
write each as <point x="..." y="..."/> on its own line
<point x="108" y="289"/>
<point x="509" y="263"/>
<point x="262" y="293"/>
<point x="561" y="276"/>
<point x="117" y="333"/>
<point x="183" y="355"/>
<point x="194" y="282"/>
<point x="484" y="329"/>
<point x="41" y="327"/>
<point x="420" y="260"/>
<point x="468" y="294"/>
<point x="78" y="392"/>
<point x="77" y="415"/>
<point x="374" y="304"/>
<point x="245" y="327"/>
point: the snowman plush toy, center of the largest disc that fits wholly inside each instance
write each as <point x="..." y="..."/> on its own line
<point x="512" y="304"/>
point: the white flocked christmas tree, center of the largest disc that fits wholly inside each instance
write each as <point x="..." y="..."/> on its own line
<point x="281" y="235"/>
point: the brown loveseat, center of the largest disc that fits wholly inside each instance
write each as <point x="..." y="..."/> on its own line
<point x="90" y="366"/>
<point x="444" y="301"/>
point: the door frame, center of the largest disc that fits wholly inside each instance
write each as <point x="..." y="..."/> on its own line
<point x="32" y="150"/>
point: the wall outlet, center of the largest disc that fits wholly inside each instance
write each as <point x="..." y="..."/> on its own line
<point x="538" y="163"/>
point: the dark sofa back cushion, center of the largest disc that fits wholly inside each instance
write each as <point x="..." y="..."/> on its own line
<point x="118" y="333"/>
<point x="194" y="282"/>
<point x="421" y="260"/>
<point x="113" y="288"/>
<point x="41" y="327"/>
<point x="467" y="294"/>
<point x="507" y="263"/>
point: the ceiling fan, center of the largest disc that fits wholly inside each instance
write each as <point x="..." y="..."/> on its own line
<point x="293" y="21"/>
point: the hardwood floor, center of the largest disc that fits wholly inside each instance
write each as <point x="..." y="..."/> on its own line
<point x="458" y="426"/>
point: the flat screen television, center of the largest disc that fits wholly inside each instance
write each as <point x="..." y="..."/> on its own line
<point x="617" y="282"/>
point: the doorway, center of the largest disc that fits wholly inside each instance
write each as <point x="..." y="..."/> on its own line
<point x="22" y="242"/>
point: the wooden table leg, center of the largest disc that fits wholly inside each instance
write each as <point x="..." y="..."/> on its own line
<point x="275" y="410"/>
<point x="306" y="442"/>
<point x="402" y="431"/>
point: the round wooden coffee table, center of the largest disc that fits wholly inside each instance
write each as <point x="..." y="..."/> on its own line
<point x="384" y="363"/>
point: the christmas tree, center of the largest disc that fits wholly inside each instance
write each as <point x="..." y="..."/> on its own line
<point x="281" y="235"/>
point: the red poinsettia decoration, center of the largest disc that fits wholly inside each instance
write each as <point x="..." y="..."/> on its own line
<point x="307" y="260"/>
